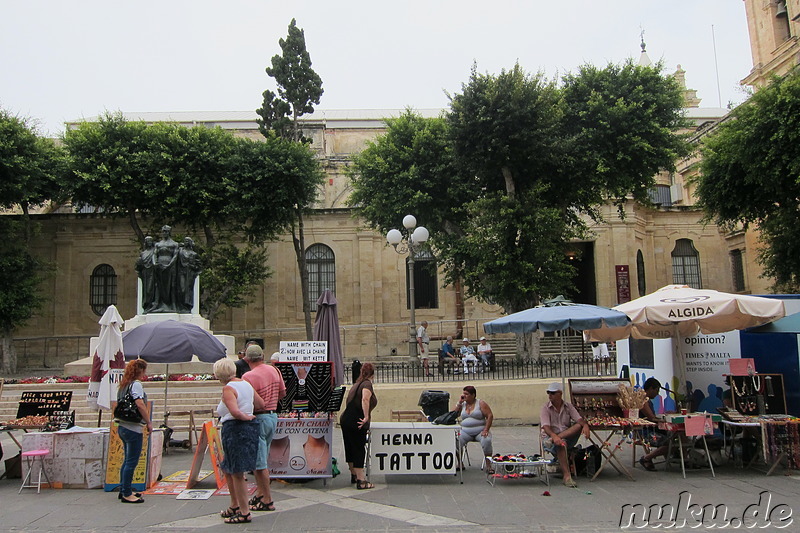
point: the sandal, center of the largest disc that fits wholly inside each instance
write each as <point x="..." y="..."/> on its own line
<point x="647" y="465"/>
<point x="262" y="506"/>
<point x="239" y="518"/>
<point x="364" y="485"/>
<point x="353" y="478"/>
<point x="230" y="512"/>
<point x="254" y="500"/>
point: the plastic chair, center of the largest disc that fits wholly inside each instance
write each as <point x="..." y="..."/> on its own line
<point x="30" y="458"/>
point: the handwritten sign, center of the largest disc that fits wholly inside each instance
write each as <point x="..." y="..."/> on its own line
<point x="303" y="351"/>
<point x="412" y="448"/>
<point x="37" y="403"/>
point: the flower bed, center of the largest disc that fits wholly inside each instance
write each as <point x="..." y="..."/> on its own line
<point x="85" y="379"/>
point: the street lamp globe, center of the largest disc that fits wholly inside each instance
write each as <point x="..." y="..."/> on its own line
<point x="394" y="237"/>
<point x="409" y="221"/>
<point x="420" y="235"/>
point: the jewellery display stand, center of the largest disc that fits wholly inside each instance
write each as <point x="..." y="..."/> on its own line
<point x="758" y="394"/>
<point x="517" y="469"/>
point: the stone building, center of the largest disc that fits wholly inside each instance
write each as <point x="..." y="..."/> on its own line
<point x="625" y="258"/>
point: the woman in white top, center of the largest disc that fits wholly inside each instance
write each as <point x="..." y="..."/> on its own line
<point x="239" y="436"/>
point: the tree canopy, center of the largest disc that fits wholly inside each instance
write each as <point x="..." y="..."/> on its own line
<point x="503" y="179"/>
<point x="203" y="179"/>
<point x="750" y="175"/>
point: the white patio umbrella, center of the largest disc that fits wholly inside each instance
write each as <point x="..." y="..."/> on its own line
<point x="681" y="311"/>
<point x="677" y="311"/>
<point x="107" y="360"/>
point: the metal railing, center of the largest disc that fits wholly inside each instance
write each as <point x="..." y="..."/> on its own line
<point x="504" y="369"/>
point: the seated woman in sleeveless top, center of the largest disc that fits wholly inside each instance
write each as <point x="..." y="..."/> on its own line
<point x="476" y="421"/>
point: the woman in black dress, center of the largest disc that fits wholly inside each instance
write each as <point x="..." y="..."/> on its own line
<point x="355" y="423"/>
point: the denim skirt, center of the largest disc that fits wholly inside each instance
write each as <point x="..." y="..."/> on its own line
<point x="240" y="445"/>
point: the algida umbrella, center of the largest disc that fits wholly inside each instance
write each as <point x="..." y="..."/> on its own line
<point x="681" y="311"/>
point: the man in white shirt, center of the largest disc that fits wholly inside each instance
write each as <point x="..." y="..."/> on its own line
<point x="485" y="353"/>
<point x="468" y="357"/>
<point x="423" y="342"/>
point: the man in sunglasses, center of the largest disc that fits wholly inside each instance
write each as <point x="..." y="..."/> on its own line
<point x="562" y="426"/>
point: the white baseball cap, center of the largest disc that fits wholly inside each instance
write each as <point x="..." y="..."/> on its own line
<point x="555" y="387"/>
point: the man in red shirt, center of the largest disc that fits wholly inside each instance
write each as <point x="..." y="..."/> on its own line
<point x="268" y="383"/>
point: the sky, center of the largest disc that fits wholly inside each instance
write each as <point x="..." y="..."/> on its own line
<point x="64" y="60"/>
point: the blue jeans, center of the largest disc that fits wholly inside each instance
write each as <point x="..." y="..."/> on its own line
<point x="132" y="445"/>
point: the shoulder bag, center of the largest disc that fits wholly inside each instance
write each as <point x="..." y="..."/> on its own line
<point x="126" y="408"/>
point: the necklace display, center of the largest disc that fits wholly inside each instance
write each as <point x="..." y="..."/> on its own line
<point x="317" y="451"/>
<point x="279" y="452"/>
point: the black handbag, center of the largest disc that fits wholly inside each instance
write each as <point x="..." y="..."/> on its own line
<point x="447" y="419"/>
<point x="126" y="408"/>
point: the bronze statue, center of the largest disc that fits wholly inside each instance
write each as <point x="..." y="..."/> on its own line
<point x="188" y="269"/>
<point x="168" y="272"/>
<point x="145" y="267"/>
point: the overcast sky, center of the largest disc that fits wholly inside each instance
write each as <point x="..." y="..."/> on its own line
<point x="62" y="60"/>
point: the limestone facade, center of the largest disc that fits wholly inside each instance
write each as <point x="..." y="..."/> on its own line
<point x="774" y="28"/>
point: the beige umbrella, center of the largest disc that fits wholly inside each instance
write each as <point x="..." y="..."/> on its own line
<point x="681" y="311"/>
<point x="677" y="311"/>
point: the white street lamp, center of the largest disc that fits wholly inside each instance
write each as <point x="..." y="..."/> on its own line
<point x="415" y="238"/>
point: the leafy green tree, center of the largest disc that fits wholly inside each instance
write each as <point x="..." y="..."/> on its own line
<point x="31" y="167"/>
<point x="202" y="180"/>
<point x="299" y="89"/>
<point x="30" y="172"/>
<point x="749" y="175"/>
<point x="505" y="179"/>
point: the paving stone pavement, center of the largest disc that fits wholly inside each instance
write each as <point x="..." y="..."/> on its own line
<point x="415" y="503"/>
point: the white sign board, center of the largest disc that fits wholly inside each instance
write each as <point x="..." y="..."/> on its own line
<point x="304" y="351"/>
<point x="412" y="448"/>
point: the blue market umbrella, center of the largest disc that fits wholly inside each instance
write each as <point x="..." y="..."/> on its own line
<point x="171" y="341"/>
<point x="168" y="342"/>
<point x="557" y="318"/>
<point x="558" y="315"/>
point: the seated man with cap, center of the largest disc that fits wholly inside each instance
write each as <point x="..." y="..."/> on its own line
<point x="562" y="426"/>
<point x="468" y="357"/>
<point x="485" y="353"/>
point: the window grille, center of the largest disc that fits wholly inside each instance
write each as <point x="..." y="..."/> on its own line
<point x="321" y="265"/>
<point x="102" y="289"/>
<point x="686" y="264"/>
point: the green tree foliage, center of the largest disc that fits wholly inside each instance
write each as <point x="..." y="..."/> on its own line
<point x="230" y="276"/>
<point x="750" y="175"/>
<point x="503" y="180"/>
<point x="201" y="179"/>
<point x="21" y="274"/>
<point x="299" y="89"/>
<point x="30" y="172"/>
<point x="31" y="167"/>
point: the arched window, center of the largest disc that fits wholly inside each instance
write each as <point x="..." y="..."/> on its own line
<point x="686" y="264"/>
<point x="426" y="286"/>
<point x="321" y="265"/>
<point x="642" y="285"/>
<point x="102" y="289"/>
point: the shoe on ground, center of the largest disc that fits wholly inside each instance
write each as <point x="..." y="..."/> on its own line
<point x="569" y="482"/>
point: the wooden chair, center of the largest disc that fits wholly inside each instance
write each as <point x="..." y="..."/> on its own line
<point x="192" y="426"/>
<point x="408" y="416"/>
